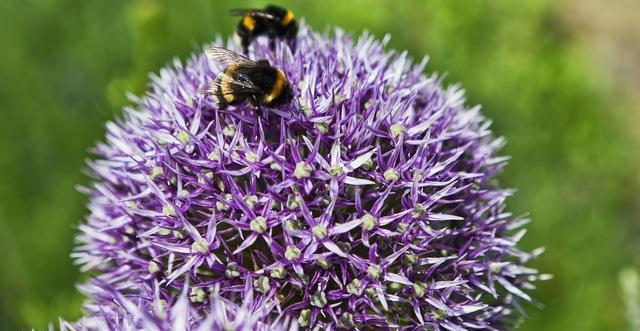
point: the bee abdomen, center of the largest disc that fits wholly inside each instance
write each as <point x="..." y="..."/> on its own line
<point x="279" y="84"/>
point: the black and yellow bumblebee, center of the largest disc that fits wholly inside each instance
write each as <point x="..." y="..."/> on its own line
<point x="257" y="82"/>
<point x="273" y="21"/>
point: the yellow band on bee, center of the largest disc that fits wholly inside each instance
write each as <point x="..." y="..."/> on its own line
<point x="278" y="86"/>
<point x="286" y="20"/>
<point x="226" y="90"/>
<point x="249" y="22"/>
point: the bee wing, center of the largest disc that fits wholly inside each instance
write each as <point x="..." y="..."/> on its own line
<point x="226" y="56"/>
<point x="242" y="84"/>
<point x="251" y="12"/>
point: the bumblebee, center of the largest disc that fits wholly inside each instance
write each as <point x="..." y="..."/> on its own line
<point x="257" y="82"/>
<point x="273" y="21"/>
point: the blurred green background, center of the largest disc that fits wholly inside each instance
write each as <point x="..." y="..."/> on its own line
<point x="559" y="78"/>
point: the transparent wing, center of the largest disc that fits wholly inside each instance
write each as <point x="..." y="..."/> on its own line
<point x="241" y="80"/>
<point x="226" y="56"/>
<point x="251" y="12"/>
<point x="241" y="84"/>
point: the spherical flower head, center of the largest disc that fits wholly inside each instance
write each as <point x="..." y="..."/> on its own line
<point x="368" y="201"/>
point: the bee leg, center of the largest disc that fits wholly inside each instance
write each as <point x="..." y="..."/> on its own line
<point x="246" y="41"/>
<point x="222" y="104"/>
<point x="255" y="104"/>
<point x="272" y="39"/>
<point x="272" y="43"/>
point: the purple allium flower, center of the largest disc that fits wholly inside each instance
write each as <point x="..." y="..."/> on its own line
<point x="368" y="202"/>
<point x="145" y="309"/>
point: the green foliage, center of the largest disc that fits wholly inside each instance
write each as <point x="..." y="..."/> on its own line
<point x="66" y="66"/>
